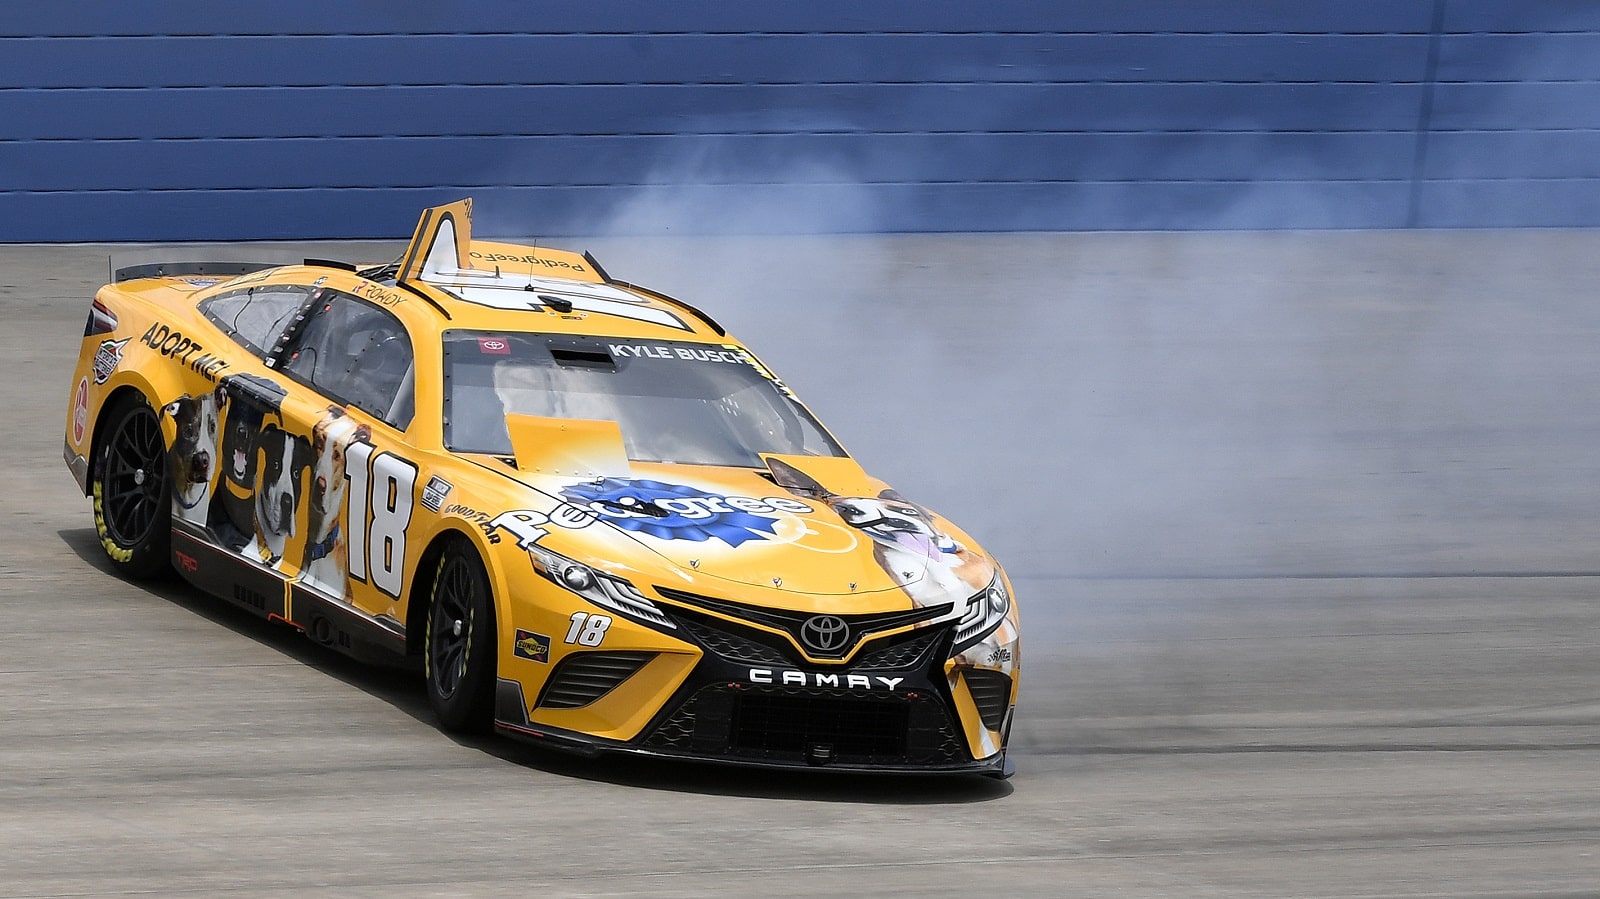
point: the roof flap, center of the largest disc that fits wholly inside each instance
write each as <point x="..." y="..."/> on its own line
<point x="441" y="243"/>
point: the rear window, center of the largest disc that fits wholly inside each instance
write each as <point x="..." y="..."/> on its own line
<point x="255" y="318"/>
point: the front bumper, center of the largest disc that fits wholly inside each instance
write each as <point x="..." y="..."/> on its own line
<point x="750" y="702"/>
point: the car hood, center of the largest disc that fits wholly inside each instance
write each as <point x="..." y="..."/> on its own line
<point x="779" y="537"/>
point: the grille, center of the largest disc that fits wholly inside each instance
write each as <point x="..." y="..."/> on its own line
<point x="787" y="724"/>
<point x="991" y="692"/>
<point x="729" y="645"/>
<point x="776" y="724"/>
<point x="582" y="678"/>
<point x="861" y="626"/>
<point x="905" y="654"/>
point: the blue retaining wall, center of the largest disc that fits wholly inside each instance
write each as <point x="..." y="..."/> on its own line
<point x="191" y="119"/>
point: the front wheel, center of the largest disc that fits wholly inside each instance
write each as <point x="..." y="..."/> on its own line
<point x="132" y="511"/>
<point x="459" y="661"/>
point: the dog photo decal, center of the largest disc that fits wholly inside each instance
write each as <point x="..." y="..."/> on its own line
<point x="192" y="462"/>
<point x="256" y="499"/>
<point x="930" y="565"/>
<point x="323" y="564"/>
<point x="284" y="459"/>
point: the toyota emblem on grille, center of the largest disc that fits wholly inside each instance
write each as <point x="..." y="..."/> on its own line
<point x="824" y="633"/>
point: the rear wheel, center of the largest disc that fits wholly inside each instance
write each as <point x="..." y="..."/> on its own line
<point x="132" y="508"/>
<point x="459" y="659"/>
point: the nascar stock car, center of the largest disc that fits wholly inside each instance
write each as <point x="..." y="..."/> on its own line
<point x="600" y="521"/>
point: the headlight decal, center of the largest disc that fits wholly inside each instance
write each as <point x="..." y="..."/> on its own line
<point x="605" y="590"/>
<point x="986" y="609"/>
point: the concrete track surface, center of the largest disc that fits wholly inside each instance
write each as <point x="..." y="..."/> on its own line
<point x="1303" y="525"/>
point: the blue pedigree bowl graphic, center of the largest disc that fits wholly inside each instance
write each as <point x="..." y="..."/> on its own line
<point x="668" y="511"/>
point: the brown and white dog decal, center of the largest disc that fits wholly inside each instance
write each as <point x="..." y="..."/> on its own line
<point x="323" y="568"/>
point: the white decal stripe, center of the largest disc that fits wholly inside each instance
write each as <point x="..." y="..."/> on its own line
<point x="509" y="293"/>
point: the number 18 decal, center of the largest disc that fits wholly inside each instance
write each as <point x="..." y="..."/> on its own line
<point x="586" y="629"/>
<point x="379" y="501"/>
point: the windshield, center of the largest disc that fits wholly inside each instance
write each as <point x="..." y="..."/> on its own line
<point x="675" y="401"/>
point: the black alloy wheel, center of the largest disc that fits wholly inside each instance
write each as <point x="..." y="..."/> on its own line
<point x="459" y="659"/>
<point x="132" y="507"/>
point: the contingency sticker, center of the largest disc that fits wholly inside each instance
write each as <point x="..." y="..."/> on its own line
<point x="107" y="358"/>
<point x="529" y="645"/>
<point x="435" y="492"/>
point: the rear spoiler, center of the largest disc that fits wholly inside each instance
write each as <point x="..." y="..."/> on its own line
<point x="180" y="269"/>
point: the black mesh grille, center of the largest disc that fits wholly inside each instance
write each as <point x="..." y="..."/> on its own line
<point x="991" y="691"/>
<point x="904" y="654"/>
<point x="787" y="724"/>
<point x="582" y="678"/>
<point x="729" y="645"/>
<point x="776" y="724"/>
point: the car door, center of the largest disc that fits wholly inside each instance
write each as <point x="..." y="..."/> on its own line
<point x="352" y="362"/>
<point x="231" y="423"/>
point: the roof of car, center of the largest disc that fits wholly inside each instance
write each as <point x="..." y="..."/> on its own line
<point x="447" y="280"/>
<point x="505" y="286"/>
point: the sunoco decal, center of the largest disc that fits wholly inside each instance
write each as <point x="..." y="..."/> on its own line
<point x="679" y="512"/>
<point x="531" y="646"/>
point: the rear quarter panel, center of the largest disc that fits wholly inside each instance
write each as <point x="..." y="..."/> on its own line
<point x="161" y="347"/>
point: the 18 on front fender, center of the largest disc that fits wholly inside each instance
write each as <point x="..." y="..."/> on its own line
<point x="585" y="668"/>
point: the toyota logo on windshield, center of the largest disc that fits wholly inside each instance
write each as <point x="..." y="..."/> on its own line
<point x="824" y="633"/>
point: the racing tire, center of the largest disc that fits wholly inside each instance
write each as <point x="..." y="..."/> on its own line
<point x="458" y="657"/>
<point x="132" y="507"/>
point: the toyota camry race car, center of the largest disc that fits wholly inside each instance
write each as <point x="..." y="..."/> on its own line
<point x="600" y="522"/>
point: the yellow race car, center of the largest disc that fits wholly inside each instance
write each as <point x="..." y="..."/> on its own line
<point x="600" y="522"/>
